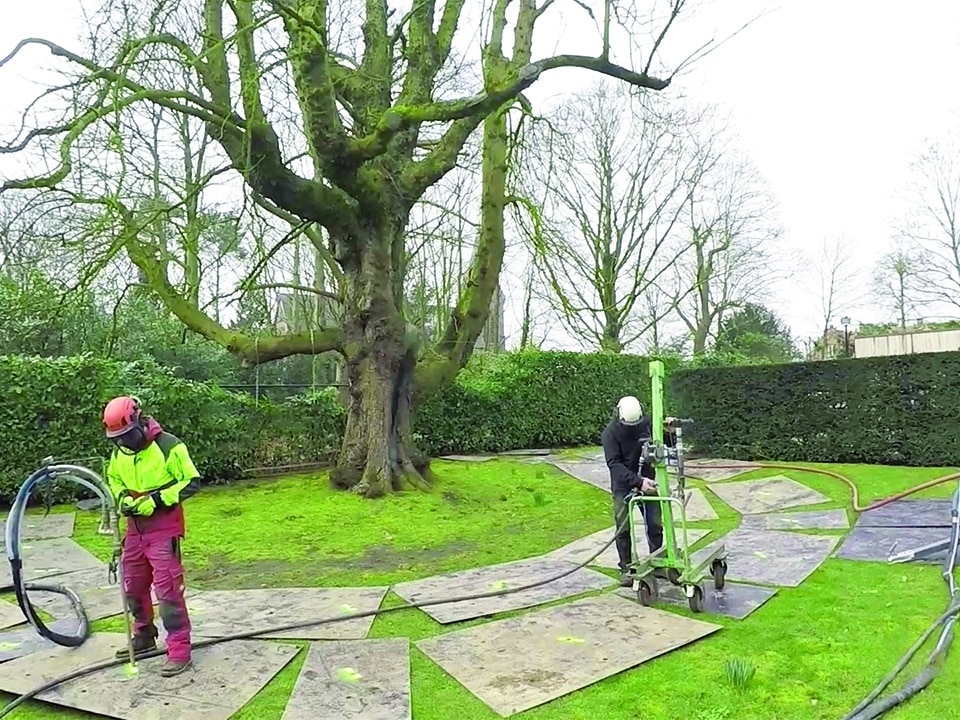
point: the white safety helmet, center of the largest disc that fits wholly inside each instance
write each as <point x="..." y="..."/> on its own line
<point x="629" y="410"/>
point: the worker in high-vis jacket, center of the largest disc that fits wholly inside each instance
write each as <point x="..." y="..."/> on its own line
<point x="150" y="474"/>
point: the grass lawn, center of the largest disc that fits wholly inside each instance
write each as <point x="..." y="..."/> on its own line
<point x="817" y="649"/>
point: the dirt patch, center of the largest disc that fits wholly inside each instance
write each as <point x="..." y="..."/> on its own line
<point x="224" y="572"/>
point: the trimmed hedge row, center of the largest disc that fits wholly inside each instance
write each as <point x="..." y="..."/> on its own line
<point x="502" y="402"/>
<point x="902" y="410"/>
<point x="898" y="410"/>
<point x="530" y="399"/>
<point x="52" y="408"/>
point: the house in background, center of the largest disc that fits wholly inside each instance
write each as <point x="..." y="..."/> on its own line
<point x="915" y="340"/>
<point x="833" y="344"/>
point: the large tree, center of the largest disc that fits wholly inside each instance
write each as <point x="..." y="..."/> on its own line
<point x="897" y="282"/>
<point x="335" y="116"/>
<point x="839" y="287"/>
<point x="753" y="332"/>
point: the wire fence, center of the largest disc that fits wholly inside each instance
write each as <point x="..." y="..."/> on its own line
<point x="279" y="391"/>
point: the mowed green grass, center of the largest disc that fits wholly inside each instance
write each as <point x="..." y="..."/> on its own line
<point x="817" y="649"/>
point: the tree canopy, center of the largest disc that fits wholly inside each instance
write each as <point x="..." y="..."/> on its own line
<point x="337" y="118"/>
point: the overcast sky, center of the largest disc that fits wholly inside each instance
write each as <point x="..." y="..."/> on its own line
<point x="830" y="99"/>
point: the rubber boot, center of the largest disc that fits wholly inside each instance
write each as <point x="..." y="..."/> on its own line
<point x="142" y="644"/>
<point x="171" y="668"/>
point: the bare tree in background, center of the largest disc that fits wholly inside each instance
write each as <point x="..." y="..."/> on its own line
<point x="931" y="227"/>
<point x="897" y="282"/>
<point x="606" y="181"/>
<point x="836" y="282"/>
<point x="732" y="226"/>
<point x="441" y="238"/>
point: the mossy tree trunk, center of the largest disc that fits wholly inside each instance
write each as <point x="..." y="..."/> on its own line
<point x="378" y="455"/>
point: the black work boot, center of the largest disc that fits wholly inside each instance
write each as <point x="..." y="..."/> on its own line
<point x="626" y="579"/>
<point x="142" y="644"/>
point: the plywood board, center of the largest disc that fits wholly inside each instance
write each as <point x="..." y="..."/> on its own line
<point x="808" y="520"/>
<point x="772" y="557"/>
<point x="467" y="458"/>
<point x="353" y="680"/>
<point x="38" y="527"/>
<point x="10" y="615"/>
<point x="596" y="474"/>
<point x="876" y="544"/>
<point x="49" y="558"/>
<point x="767" y="495"/>
<point x="24" y="639"/>
<point x="496" y="578"/>
<point x="519" y="663"/>
<point x="908" y="513"/>
<point x="100" y="599"/>
<point x="697" y="507"/>
<point x="734" y="601"/>
<point x="222" y="680"/>
<point x="707" y="471"/>
<point x="216" y="613"/>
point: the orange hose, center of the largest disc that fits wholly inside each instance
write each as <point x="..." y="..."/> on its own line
<point x="854" y="493"/>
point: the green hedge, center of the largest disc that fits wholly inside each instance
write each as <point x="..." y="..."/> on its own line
<point x="52" y="408"/>
<point x="902" y="410"/>
<point x="530" y="399"/>
<point x="502" y="402"/>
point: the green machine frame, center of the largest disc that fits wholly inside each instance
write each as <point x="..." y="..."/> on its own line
<point x="671" y="561"/>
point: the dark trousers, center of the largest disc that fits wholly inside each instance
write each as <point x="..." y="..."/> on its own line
<point x="653" y="525"/>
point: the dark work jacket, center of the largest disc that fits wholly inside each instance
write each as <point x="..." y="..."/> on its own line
<point x="621" y="448"/>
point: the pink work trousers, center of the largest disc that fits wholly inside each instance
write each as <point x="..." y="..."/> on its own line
<point x="155" y="561"/>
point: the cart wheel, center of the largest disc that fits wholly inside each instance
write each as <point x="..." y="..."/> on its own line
<point x="718" y="568"/>
<point x="647" y="592"/>
<point x="696" y="600"/>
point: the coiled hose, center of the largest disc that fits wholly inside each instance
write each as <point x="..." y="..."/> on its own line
<point x="19" y="586"/>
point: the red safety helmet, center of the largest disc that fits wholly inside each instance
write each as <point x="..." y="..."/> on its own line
<point x="120" y="416"/>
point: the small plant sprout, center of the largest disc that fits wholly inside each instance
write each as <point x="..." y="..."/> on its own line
<point x="739" y="672"/>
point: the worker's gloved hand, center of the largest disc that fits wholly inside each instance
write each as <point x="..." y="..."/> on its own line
<point x="166" y="498"/>
<point x="648" y="487"/>
<point x="143" y="506"/>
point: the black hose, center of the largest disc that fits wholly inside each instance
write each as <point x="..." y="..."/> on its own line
<point x="19" y="585"/>
<point x="83" y="672"/>
<point x="20" y="588"/>
<point x="870" y="708"/>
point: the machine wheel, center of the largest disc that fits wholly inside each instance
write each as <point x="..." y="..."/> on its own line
<point x="647" y="593"/>
<point x="696" y="600"/>
<point x="718" y="568"/>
